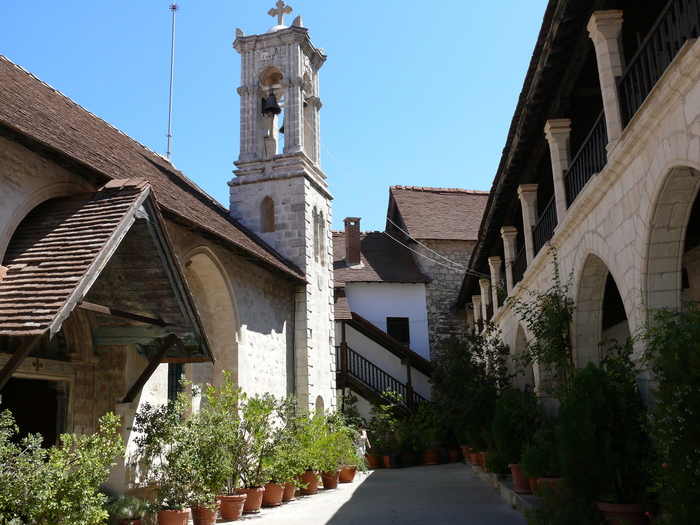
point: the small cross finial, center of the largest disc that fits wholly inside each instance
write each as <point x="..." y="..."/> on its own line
<point x="281" y="10"/>
<point x="37" y="364"/>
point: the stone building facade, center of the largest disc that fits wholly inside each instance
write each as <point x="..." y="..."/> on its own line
<point x="616" y="196"/>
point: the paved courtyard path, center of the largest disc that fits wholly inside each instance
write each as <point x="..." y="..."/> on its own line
<point x="439" y="494"/>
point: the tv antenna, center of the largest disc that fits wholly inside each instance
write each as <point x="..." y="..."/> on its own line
<point x="173" y="8"/>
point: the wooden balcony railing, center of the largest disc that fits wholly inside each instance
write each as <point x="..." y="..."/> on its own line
<point x="519" y="266"/>
<point x="359" y="369"/>
<point x="544" y="229"/>
<point x="590" y="159"/>
<point x="679" y="22"/>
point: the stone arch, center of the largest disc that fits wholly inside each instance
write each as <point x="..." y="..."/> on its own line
<point x="667" y="227"/>
<point x="600" y="312"/>
<point x="525" y="377"/>
<point x="267" y="215"/>
<point x="214" y="298"/>
<point x="51" y="191"/>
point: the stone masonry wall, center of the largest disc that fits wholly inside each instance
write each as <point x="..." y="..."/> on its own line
<point x="442" y="291"/>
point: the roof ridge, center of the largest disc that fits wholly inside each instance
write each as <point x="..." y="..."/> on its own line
<point x="439" y="190"/>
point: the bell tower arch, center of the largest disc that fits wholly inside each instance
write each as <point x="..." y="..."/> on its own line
<point x="280" y="162"/>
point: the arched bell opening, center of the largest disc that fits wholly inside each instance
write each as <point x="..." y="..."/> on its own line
<point x="272" y="111"/>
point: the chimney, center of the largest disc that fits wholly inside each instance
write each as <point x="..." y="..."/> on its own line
<point x="352" y="241"/>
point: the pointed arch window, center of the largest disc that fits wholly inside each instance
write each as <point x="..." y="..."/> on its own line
<point x="267" y="215"/>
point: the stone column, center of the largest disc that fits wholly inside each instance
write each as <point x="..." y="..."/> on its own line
<point x="508" y="234"/>
<point x="485" y="285"/>
<point x="604" y="28"/>
<point x="527" y="193"/>
<point x="557" y="132"/>
<point x="476" y="301"/>
<point x="496" y="265"/>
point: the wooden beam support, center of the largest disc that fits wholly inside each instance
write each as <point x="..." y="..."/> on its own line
<point x="106" y="310"/>
<point x="150" y="368"/>
<point x="20" y="354"/>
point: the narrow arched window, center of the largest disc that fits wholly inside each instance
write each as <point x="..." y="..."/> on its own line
<point x="315" y="234"/>
<point x="267" y="215"/>
<point x="322" y="239"/>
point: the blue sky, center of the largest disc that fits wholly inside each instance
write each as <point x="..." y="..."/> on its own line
<point x="414" y="92"/>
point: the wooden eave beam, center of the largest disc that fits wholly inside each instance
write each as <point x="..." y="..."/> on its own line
<point x="20" y="354"/>
<point x="150" y="368"/>
<point x="106" y="310"/>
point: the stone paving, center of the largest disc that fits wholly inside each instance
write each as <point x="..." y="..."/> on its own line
<point x="450" y="493"/>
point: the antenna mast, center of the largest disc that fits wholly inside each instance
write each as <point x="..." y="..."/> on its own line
<point x="173" y="8"/>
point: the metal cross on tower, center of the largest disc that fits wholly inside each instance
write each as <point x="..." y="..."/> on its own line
<point x="281" y="10"/>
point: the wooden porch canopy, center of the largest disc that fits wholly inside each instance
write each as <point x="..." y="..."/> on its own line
<point x="108" y="253"/>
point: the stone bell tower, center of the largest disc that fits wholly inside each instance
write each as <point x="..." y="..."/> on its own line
<point x="279" y="190"/>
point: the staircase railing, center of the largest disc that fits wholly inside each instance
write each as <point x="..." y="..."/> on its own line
<point x="355" y="367"/>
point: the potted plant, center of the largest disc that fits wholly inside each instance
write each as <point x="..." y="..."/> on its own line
<point x="539" y="458"/>
<point x="220" y="412"/>
<point x="383" y="430"/>
<point x="163" y="458"/>
<point x="514" y="423"/>
<point x="604" y="449"/>
<point x="256" y="425"/>
<point x="284" y="460"/>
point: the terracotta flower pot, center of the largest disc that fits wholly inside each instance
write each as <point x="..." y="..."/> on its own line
<point x="454" y="455"/>
<point x="466" y="453"/>
<point x="130" y="521"/>
<point x="272" y="497"/>
<point x="533" y="484"/>
<point x="173" y="517"/>
<point x="431" y="457"/>
<point x="374" y="461"/>
<point x="205" y="515"/>
<point x="311" y="480"/>
<point x="625" y="513"/>
<point x="520" y="482"/>
<point x="482" y="460"/>
<point x="330" y="479"/>
<point x="476" y="459"/>
<point x="347" y="473"/>
<point x="387" y="461"/>
<point x="254" y="500"/>
<point x="232" y="506"/>
<point x="290" y="490"/>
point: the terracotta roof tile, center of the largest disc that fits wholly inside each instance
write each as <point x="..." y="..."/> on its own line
<point x="36" y="110"/>
<point x="383" y="260"/>
<point x="342" y="306"/>
<point x="438" y="213"/>
<point x="52" y="251"/>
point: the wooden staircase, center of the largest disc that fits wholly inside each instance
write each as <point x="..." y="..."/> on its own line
<point x="373" y="383"/>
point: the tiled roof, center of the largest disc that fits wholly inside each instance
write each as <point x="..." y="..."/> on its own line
<point x="55" y="254"/>
<point x="48" y="118"/>
<point x="438" y="213"/>
<point x="341" y="307"/>
<point x="383" y="260"/>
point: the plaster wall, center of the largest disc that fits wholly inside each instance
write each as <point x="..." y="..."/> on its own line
<point x="377" y="301"/>
<point x="27" y="180"/>
<point x="632" y="216"/>
<point x="251" y="328"/>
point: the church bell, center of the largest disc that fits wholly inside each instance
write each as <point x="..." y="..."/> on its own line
<point x="270" y="106"/>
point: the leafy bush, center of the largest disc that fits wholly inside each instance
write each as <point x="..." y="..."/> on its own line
<point x="540" y="455"/>
<point x="673" y="345"/>
<point x="604" y="450"/>
<point x="468" y="377"/>
<point x="547" y="316"/>
<point x="58" y="485"/>
<point x="514" y="422"/>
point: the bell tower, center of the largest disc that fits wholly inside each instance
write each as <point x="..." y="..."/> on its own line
<point x="279" y="190"/>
